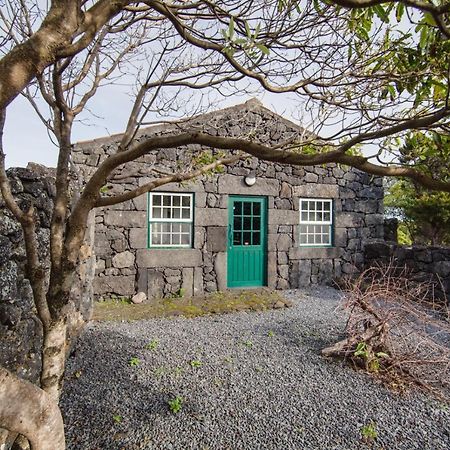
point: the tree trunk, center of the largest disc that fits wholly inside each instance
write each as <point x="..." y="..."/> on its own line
<point x="28" y="410"/>
<point x="54" y="358"/>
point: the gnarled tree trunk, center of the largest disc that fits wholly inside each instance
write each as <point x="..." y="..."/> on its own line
<point x="31" y="412"/>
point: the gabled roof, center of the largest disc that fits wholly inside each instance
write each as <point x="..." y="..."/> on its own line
<point x="231" y="113"/>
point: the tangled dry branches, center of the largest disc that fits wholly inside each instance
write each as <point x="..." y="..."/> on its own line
<point x="396" y="330"/>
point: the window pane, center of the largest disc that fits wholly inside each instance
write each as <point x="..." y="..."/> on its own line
<point x="310" y="239"/>
<point x="156" y="214"/>
<point x="256" y="238"/>
<point x="186" y="213"/>
<point x="304" y="206"/>
<point x="237" y="208"/>
<point x="167" y="200"/>
<point x="327" y="216"/>
<point x="327" y="206"/>
<point x="166" y="213"/>
<point x="156" y="199"/>
<point x="176" y="213"/>
<point x="237" y="238"/>
<point x="186" y="239"/>
<point x="156" y="239"/>
<point x="238" y="223"/>
<point x="247" y="223"/>
<point x="176" y="200"/>
<point x="186" y="228"/>
<point x="256" y="209"/>
<point x="247" y="237"/>
<point x="247" y="208"/>
<point x="256" y="223"/>
<point x="165" y="239"/>
<point x="176" y="239"/>
<point x="186" y="200"/>
<point x="304" y="216"/>
<point x="303" y="239"/>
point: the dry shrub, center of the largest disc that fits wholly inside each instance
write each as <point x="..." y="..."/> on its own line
<point x="396" y="330"/>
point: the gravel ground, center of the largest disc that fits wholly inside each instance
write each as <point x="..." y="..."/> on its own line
<point x="262" y="384"/>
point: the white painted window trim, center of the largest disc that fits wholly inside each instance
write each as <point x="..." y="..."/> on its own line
<point x="328" y="223"/>
<point x="153" y="220"/>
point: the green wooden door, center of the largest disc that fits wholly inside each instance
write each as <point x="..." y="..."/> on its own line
<point x="247" y="241"/>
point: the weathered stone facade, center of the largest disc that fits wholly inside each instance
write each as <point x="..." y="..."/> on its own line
<point x="424" y="264"/>
<point x="125" y="264"/>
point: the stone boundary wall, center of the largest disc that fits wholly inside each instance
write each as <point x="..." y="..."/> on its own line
<point x="126" y="266"/>
<point x="20" y="328"/>
<point x="424" y="263"/>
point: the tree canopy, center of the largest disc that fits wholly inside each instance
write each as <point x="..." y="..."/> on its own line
<point x="361" y="71"/>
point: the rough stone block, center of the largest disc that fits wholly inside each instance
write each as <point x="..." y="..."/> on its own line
<point x="187" y="283"/>
<point x="155" y="284"/>
<point x="317" y="190"/>
<point x="231" y="184"/>
<point x="283" y="217"/>
<point x="216" y="239"/>
<point x="180" y="257"/>
<point x="272" y="269"/>
<point x="349" y="220"/>
<point x="284" y="242"/>
<point x="140" y="203"/>
<point x="220" y="267"/>
<point x="313" y="252"/>
<point x="207" y="217"/>
<point x="119" y="285"/>
<point x="198" y="281"/>
<point x="304" y="273"/>
<point x="142" y="280"/>
<point x="138" y="238"/>
<point x="126" y="219"/>
<point x="122" y="260"/>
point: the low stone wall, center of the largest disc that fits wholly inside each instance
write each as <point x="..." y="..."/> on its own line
<point x="424" y="263"/>
<point x="20" y="328"/>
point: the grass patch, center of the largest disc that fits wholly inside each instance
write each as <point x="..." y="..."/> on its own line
<point x="215" y="303"/>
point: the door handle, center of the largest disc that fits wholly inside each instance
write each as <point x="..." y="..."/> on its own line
<point x="230" y="237"/>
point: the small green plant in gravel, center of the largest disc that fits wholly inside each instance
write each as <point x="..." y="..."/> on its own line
<point x="117" y="418"/>
<point x="196" y="363"/>
<point x="228" y="359"/>
<point x="371" y="359"/>
<point x="152" y="344"/>
<point x="134" y="361"/>
<point x="369" y="432"/>
<point x="175" y="404"/>
<point x="248" y="344"/>
<point x="178" y="371"/>
<point x="271" y="333"/>
<point x="160" y="371"/>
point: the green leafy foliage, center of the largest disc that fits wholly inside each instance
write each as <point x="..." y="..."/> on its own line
<point x="196" y="363"/>
<point x="175" y="404"/>
<point x="424" y="214"/>
<point x="245" y="40"/>
<point x="152" y="345"/>
<point x="134" y="361"/>
<point x="369" y="432"/>
<point x="117" y="418"/>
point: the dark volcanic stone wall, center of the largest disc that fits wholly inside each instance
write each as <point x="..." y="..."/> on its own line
<point x="20" y="329"/>
<point x="125" y="265"/>
<point x="425" y="264"/>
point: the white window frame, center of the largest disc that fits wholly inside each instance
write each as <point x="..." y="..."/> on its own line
<point x="180" y="220"/>
<point x="312" y="223"/>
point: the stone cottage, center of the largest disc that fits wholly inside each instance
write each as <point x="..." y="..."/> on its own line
<point x="255" y="224"/>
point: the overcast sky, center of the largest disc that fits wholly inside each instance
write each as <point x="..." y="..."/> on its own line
<point x="26" y="139"/>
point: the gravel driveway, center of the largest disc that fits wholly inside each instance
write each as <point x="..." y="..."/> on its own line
<point x="258" y="381"/>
